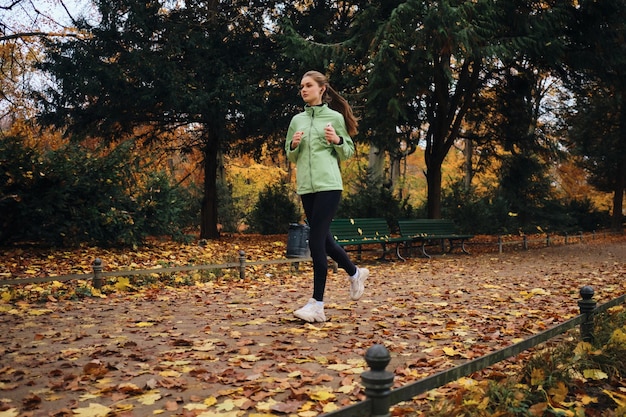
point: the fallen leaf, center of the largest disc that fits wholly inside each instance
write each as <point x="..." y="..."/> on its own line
<point x="94" y="410"/>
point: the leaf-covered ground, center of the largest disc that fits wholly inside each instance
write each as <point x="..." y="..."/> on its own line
<point x="229" y="347"/>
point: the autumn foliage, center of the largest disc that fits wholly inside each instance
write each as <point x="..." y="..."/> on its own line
<point x="208" y="343"/>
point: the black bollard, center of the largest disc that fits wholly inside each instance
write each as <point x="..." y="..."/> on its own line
<point x="97" y="273"/>
<point x="377" y="381"/>
<point x="587" y="307"/>
<point x="242" y="264"/>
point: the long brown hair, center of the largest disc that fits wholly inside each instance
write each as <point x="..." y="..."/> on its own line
<point x="335" y="101"/>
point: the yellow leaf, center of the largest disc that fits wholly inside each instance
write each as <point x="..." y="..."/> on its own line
<point x="210" y="401"/>
<point x="594" y="374"/>
<point x="618" y="338"/>
<point x="559" y="392"/>
<point x="582" y="348"/>
<point x="620" y="399"/>
<point x="144" y="324"/>
<point x="539" y="291"/>
<point x="322" y="395"/>
<point x="88" y="396"/>
<point x="339" y="367"/>
<point x="6" y="297"/>
<point x="94" y="410"/>
<point x="123" y="284"/>
<point x="170" y="373"/>
<point x="123" y="407"/>
<point x="586" y="399"/>
<point x="330" y="407"/>
<point x="39" y="312"/>
<point x="266" y="405"/>
<point x="227" y="405"/>
<point x="149" y="398"/>
<point x="195" y="406"/>
<point x="346" y="389"/>
<point x="11" y="412"/>
<point x="537" y="377"/>
<point x="450" y="351"/>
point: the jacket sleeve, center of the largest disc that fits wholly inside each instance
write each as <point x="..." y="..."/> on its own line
<point x="292" y="154"/>
<point x="344" y="150"/>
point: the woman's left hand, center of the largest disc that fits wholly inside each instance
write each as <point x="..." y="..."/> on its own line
<point x="331" y="135"/>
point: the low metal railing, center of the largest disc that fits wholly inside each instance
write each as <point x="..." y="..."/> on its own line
<point x="378" y="381"/>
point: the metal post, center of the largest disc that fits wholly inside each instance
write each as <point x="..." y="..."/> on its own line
<point x="242" y="264"/>
<point x="97" y="273"/>
<point x="525" y="242"/>
<point x="377" y="381"/>
<point x="587" y="307"/>
<point x="566" y="238"/>
<point x="547" y="240"/>
<point x="499" y="244"/>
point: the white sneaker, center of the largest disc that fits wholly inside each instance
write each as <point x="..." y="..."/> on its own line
<point x="311" y="312"/>
<point x="357" y="284"/>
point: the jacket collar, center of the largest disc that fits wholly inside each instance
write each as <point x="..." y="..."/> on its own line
<point x="313" y="110"/>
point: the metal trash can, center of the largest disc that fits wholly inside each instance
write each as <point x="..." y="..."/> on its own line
<point x="298" y="241"/>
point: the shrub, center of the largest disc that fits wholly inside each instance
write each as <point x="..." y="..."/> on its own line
<point x="372" y="199"/>
<point x="274" y="211"/>
<point x="70" y="196"/>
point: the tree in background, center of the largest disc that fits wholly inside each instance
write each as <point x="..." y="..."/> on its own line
<point x="146" y="70"/>
<point x="595" y="69"/>
<point x="428" y="61"/>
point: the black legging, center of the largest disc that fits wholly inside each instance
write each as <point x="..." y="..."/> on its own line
<point x="320" y="208"/>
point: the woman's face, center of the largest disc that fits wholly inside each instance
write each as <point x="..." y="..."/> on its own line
<point x="311" y="91"/>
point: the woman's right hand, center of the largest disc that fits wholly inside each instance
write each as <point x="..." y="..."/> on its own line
<point x="296" y="139"/>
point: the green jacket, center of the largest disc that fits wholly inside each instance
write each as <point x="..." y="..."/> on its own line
<point x="317" y="161"/>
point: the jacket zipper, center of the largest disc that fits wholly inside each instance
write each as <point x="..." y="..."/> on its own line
<point x="310" y="150"/>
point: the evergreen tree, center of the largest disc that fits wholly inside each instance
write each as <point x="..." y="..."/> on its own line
<point x="195" y="66"/>
<point x="595" y="65"/>
<point x="428" y="60"/>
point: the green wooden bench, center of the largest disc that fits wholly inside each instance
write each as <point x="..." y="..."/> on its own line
<point x="365" y="231"/>
<point x="427" y="231"/>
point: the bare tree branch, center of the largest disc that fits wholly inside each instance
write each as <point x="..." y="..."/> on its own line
<point x="36" y="34"/>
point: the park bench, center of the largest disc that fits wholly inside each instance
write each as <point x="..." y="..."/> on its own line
<point x="428" y="231"/>
<point x="365" y="231"/>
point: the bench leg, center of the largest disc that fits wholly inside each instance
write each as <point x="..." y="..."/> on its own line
<point x="424" y="249"/>
<point x="383" y="257"/>
<point x="463" y="247"/>
<point x="398" y="252"/>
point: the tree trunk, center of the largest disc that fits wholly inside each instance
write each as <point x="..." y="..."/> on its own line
<point x="376" y="166"/>
<point x="208" y="211"/>
<point x="433" y="180"/>
<point x="618" y="205"/>
<point x="469" y="171"/>
<point x="620" y="184"/>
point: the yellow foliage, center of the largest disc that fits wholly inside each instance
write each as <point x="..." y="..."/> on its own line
<point x="322" y="395"/>
<point x="537" y="377"/>
<point x="94" y="410"/>
<point x="596" y="374"/>
<point x="620" y="399"/>
<point x="618" y="338"/>
<point x="123" y="284"/>
<point x="149" y="398"/>
<point x="558" y="393"/>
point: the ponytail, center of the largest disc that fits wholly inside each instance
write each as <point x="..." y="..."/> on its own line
<point x="336" y="102"/>
<point x="340" y="104"/>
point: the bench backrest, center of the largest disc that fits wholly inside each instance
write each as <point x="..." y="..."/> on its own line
<point x="426" y="227"/>
<point x="361" y="228"/>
